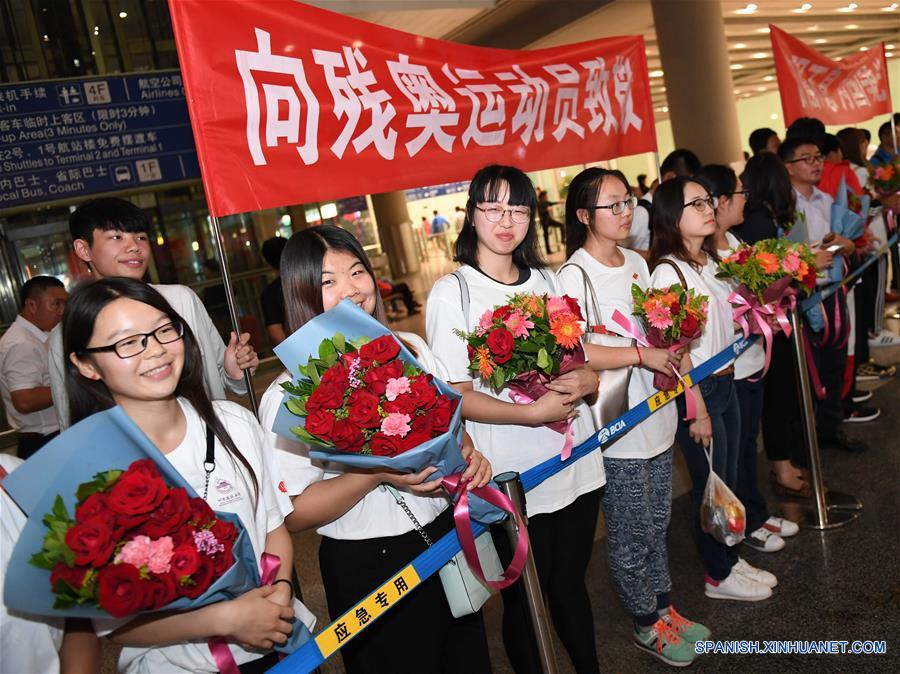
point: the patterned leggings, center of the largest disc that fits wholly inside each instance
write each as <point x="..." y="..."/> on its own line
<point x="637" y="506"/>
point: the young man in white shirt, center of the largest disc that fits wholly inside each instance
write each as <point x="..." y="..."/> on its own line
<point x="24" y="375"/>
<point x="110" y="236"/>
<point x="803" y="160"/>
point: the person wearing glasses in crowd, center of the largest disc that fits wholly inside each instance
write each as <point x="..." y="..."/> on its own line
<point x="684" y="252"/>
<point x="764" y="532"/>
<point x="110" y="236"/>
<point x="637" y="501"/>
<point x="497" y="249"/>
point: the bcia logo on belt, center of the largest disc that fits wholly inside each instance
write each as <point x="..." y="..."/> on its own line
<point x="606" y="433"/>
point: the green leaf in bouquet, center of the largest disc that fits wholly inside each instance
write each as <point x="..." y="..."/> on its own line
<point x="409" y="370"/>
<point x="340" y="342"/>
<point x="296" y="406"/>
<point x="305" y="435"/>
<point x="63" y="602"/>
<point x="543" y="360"/>
<point x="313" y="373"/>
<point x="498" y="379"/>
<point x="326" y="348"/>
<point x="101" y="482"/>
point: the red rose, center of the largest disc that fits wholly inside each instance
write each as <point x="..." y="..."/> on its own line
<point x="320" y="423"/>
<point x="810" y="279"/>
<point x="501" y="341"/>
<point x="422" y="393"/>
<point x="376" y="378"/>
<point x="470" y="352"/>
<point x="160" y="590"/>
<point x="347" y="436"/>
<point x="689" y="326"/>
<point x="137" y="492"/>
<point x="385" y="445"/>
<point x="185" y="560"/>
<point x="223" y="561"/>
<point x="363" y="408"/>
<point x="144" y="467"/>
<point x="422" y="424"/>
<point x="500" y="313"/>
<point x="94" y="505"/>
<point x="170" y="515"/>
<point x="413" y="440"/>
<point x="92" y="542"/>
<point x="405" y="404"/>
<point x="442" y="413"/>
<point x="380" y="350"/>
<point x="573" y="306"/>
<point x="201" y="513"/>
<point x="71" y="575"/>
<point x="202" y="578"/>
<point x="327" y="396"/>
<point x="225" y="532"/>
<point x="336" y="374"/>
<point x="121" y="590"/>
<point x="744" y="255"/>
<point x="675" y="308"/>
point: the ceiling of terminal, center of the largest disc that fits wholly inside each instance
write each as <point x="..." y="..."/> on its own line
<point x="835" y="27"/>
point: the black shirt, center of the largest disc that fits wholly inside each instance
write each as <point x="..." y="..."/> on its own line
<point x="758" y="224"/>
<point x="273" y="303"/>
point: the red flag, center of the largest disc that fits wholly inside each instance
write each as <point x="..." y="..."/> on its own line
<point x="853" y="89"/>
<point x="291" y="104"/>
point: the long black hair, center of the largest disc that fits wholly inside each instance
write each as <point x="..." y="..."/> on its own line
<point x="486" y="186"/>
<point x="583" y="192"/>
<point x="88" y="396"/>
<point x="719" y="181"/>
<point x="668" y="207"/>
<point x="301" y="272"/>
<point x="769" y="184"/>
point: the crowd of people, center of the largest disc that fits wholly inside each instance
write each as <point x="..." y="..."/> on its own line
<point x="153" y="351"/>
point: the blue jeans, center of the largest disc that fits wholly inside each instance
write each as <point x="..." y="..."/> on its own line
<point x="750" y="401"/>
<point x="724" y="414"/>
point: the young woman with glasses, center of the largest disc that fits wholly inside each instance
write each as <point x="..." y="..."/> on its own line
<point x="683" y="251"/>
<point x="497" y="248"/>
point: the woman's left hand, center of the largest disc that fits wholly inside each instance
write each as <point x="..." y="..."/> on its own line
<point x="239" y="356"/>
<point x="576" y="384"/>
<point x="479" y="471"/>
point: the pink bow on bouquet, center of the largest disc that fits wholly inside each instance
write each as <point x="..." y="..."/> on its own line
<point x="661" y="381"/>
<point x="777" y="298"/>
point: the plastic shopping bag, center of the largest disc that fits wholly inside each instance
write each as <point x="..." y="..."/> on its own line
<point x="722" y="515"/>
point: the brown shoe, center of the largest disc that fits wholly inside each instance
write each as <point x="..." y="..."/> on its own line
<point x="805" y="491"/>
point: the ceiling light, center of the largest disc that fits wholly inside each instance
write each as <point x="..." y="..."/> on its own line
<point x="774" y="115"/>
<point x="740" y="45"/>
<point x="737" y="66"/>
<point x="864" y="49"/>
<point x="888" y="46"/>
<point x="762" y="30"/>
<point x="813" y="27"/>
<point x="769" y="78"/>
<point x="656" y="73"/>
<point x="891" y="8"/>
<point x="760" y="55"/>
<point x="762" y="88"/>
<point x="665" y="108"/>
<point x="849" y="8"/>
<point x="123" y="15"/>
<point x="889" y="54"/>
<point x="821" y="40"/>
<point x="750" y="8"/>
<point x="851" y="26"/>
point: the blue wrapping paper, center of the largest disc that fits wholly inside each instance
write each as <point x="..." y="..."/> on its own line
<point x="104" y="441"/>
<point x="441" y="452"/>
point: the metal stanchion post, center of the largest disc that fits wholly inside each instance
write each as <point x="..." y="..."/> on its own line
<point x="819" y="516"/>
<point x="510" y="485"/>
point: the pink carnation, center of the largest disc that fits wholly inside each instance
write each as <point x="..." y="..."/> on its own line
<point x="135" y="552"/>
<point x="518" y="324"/>
<point x="791" y="263"/>
<point x="160" y="555"/>
<point x="485" y="322"/>
<point x="659" y="317"/>
<point x="557" y="305"/>
<point x="395" y="423"/>
<point x="396" y="387"/>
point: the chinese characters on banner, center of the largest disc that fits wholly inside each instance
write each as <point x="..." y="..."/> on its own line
<point x="848" y="91"/>
<point x="291" y="104"/>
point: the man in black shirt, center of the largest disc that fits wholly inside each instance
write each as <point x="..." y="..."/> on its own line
<point x="272" y="294"/>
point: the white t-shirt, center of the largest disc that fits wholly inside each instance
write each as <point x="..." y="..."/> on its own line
<point x="639" y="237"/>
<point x="23" y="365"/>
<point x="230" y="490"/>
<point x="612" y="288"/>
<point x="754" y="358"/>
<point x="508" y="446"/>
<point x="719" y="330"/>
<point x="377" y="514"/>
<point x="187" y="305"/>
<point x="27" y="643"/>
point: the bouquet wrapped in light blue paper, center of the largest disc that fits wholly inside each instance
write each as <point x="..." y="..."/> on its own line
<point x="360" y="398"/>
<point x="114" y="530"/>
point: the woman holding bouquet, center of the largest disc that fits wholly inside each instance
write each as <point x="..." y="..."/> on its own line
<point x="497" y="248"/>
<point x="683" y="251"/>
<point x="763" y="531"/>
<point x="637" y="501"/>
<point x="126" y="346"/>
<point x="366" y="535"/>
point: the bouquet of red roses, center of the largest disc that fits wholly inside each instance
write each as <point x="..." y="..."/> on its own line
<point x="360" y="397"/>
<point x="135" y="543"/>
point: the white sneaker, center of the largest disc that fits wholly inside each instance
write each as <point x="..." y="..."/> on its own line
<point x="764" y="540"/>
<point x="884" y="338"/>
<point x="754" y="574"/>
<point x="737" y="587"/>
<point x="782" y="527"/>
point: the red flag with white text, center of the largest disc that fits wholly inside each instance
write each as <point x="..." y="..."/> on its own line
<point x="292" y="104"/>
<point x="851" y="90"/>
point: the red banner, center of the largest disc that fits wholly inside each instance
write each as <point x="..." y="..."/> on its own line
<point x="853" y="89"/>
<point x="291" y="104"/>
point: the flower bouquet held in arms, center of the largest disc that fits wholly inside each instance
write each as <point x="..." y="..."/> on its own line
<point x="886" y="181"/>
<point x="114" y="530"/>
<point x="770" y="273"/>
<point x="363" y="400"/>
<point x="524" y="344"/>
<point x="670" y="318"/>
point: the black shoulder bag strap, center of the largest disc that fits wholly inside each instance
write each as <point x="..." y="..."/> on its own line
<point x="209" y="464"/>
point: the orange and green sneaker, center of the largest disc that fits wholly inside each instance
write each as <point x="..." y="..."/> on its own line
<point x="686" y="629"/>
<point x="662" y="641"/>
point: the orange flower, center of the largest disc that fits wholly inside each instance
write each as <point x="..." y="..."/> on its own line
<point x="648" y="305"/>
<point x="669" y="299"/>
<point x="535" y="306"/>
<point x="485" y="366"/>
<point x="802" y="271"/>
<point x="566" y="329"/>
<point x="768" y="262"/>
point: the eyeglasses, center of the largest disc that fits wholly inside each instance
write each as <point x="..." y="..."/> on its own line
<point x="619" y="207"/>
<point x="700" y="203"/>
<point x="137" y="344"/>
<point x="743" y="193"/>
<point x="808" y="158"/>
<point x="494" y="214"/>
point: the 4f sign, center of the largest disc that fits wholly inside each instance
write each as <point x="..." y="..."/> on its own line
<point x="609" y="431"/>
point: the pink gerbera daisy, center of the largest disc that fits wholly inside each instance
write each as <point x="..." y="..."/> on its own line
<point x="659" y="317"/>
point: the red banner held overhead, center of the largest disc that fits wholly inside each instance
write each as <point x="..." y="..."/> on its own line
<point x="292" y="104"/>
<point x="848" y="91"/>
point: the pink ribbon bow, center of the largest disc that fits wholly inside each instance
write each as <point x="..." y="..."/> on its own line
<point x="454" y="485"/>
<point x="690" y="401"/>
<point x="747" y="303"/>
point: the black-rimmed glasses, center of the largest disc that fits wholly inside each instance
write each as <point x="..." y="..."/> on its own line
<point x="700" y="203"/>
<point x="494" y="214"/>
<point x="619" y="207"/>
<point x="808" y="158"/>
<point x="137" y="344"/>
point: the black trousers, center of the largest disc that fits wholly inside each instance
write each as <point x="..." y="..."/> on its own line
<point x="419" y="635"/>
<point x="561" y="542"/>
<point x="28" y="444"/>
<point x="866" y="298"/>
<point x="831" y="360"/>
<point x="782" y="425"/>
